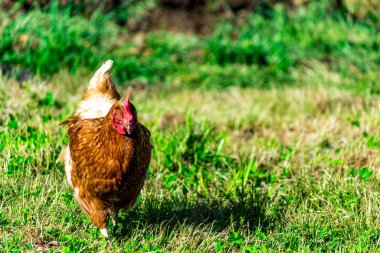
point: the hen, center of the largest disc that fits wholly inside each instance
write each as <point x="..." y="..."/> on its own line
<point x="109" y="151"/>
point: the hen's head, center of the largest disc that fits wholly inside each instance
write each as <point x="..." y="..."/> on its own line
<point x="124" y="116"/>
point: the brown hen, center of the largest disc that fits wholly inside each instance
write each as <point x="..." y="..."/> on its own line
<point x="109" y="151"/>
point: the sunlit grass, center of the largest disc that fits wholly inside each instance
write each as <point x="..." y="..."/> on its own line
<point x="239" y="169"/>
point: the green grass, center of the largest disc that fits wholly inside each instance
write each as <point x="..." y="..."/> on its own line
<point x="266" y="138"/>
<point x="235" y="170"/>
<point x="45" y="42"/>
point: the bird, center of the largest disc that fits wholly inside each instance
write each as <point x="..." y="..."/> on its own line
<point x="109" y="151"/>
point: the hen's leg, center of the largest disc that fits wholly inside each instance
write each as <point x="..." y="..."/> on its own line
<point x="105" y="232"/>
<point x="115" y="214"/>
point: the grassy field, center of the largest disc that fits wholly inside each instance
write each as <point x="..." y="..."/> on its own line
<point x="233" y="170"/>
<point x="272" y="146"/>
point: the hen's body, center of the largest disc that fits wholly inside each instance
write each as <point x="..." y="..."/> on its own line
<point x="112" y="173"/>
<point x="105" y="169"/>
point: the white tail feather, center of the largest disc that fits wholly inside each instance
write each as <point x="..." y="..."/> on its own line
<point x="97" y="77"/>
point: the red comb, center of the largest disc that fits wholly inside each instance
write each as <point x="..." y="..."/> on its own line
<point x="127" y="104"/>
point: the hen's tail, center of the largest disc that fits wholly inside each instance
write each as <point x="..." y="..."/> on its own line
<point x="99" y="79"/>
<point x="100" y="95"/>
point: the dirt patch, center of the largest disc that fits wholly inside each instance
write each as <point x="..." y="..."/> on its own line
<point x="199" y="16"/>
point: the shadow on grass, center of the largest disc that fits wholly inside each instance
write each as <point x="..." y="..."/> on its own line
<point x="170" y="213"/>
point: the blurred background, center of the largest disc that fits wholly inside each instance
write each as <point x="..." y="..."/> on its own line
<point x="264" y="118"/>
<point x="194" y="43"/>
